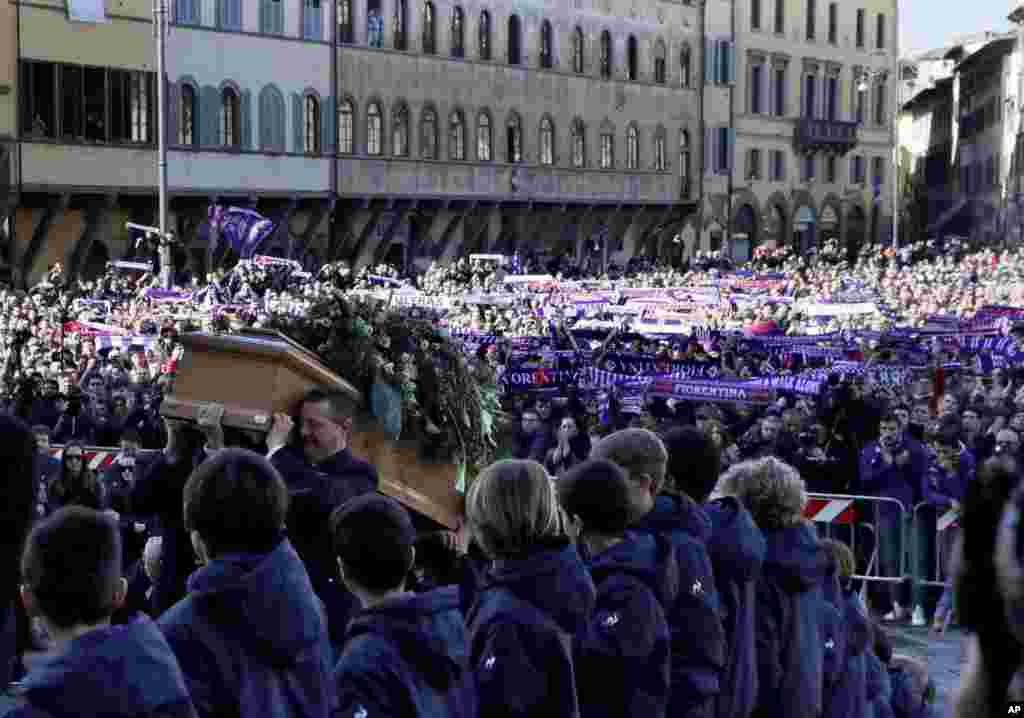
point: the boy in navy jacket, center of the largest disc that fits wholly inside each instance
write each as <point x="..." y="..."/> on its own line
<point x="698" y="636"/>
<point x="533" y="599"/>
<point x="623" y="656"/>
<point x="405" y="655"/>
<point x="736" y="548"/>
<point x="251" y="636"/>
<point x="72" y="573"/>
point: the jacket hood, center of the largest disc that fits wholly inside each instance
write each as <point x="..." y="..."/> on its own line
<point x="265" y="601"/>
<point x="647" y="557"/>
<point x="554" y="579"/>
<point x="428" y="628"/>
<point x="795" y="558"/>
<point x="131" y="666"/>
<point x="736" y="546"/>
<point x="858" y="627"/>
<point x="676" y="513"/>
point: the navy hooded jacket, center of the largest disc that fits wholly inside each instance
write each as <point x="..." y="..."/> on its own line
<point x="623" y="656"/>
<point x="251" y="638"/>
<point x="521" y="627"/>
<point x="879" y="689"/>
<point x="789" y="647"/>
<point x="736" y="549"/>
<point x="126" y="670"/>
<point x="408" y="657"/>
<point x="848" y="698"/>
<point x="833" y="636"/>
<point x="698" y="636"/>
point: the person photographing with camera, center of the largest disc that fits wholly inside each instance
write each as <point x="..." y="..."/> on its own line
<point x="894" y="467"/>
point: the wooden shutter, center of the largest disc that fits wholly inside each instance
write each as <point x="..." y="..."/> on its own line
<point x="297" y="123"/>
<point x="173" y="100"/>
<point x="245" y="124"/>
<point x="209" y="117"/>
<point x="328" y="132"/>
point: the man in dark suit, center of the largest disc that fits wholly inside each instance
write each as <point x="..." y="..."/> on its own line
<point x="322" y="474"/>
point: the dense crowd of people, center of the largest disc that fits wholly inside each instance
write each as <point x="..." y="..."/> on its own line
<point x="631" y="552"/>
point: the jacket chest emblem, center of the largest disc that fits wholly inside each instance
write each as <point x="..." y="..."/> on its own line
<point x="697" y="588"/>
<point x="360" y="712"/>
<point x="489" y="663"/>
<point x="830" y="645"/>
<point x="611" y="621"/>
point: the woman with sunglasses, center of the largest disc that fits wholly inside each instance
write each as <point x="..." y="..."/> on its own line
<point x="77" y="483"/>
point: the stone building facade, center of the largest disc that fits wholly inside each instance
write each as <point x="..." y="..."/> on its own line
<point x="420" y="129"/>
<point x="809" y="154"/>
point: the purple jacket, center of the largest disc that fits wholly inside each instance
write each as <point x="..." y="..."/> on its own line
<point x="736" y="549"/>
<point x="906" y="483"/>
<point x="790" y="653"/>
<point x="698" y="636"/>
<point x="849" y="694"/>
<point x="941" y="487"/>
<point x="521" y="626"/>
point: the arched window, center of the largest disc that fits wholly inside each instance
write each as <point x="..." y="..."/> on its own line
<point x="660" y="159"/>
<point x="632" y="58"/>
<point x="632" y="148"/>
<point x="547" y="142"/>
<point x="514" y="40"/>
<point x="456" y="136"/>
<point x="374" y="129"/>
<point x="229" y="120"/>
<point x="429" y="28"/>
<point x="607" y="147"/>
<point x="578" y="48"/>
<point x="312" y="22"/>
<point x="400" y="131"/>
<point x="685" y="66"/>
<point x="271" y="17"/>
<point x="401" y="39"/>
<point x="660" y="67"/>
<point x="374" y="24"/>
<point x="514" y="139"/>
<point x="579" y="143"/>
<point x="684" y="164"/>
<point x="311" y="126"/>
<point x="346" y="128"/>
<point x="546" y="44"/>
<point x="428" y="134"/>
<point x="187" y="116"/>
<point x="345" y="21"/>
<point x="606" y="54"/>
<point x="458" y="33"/>
<point x="484" y="141"/>
<point x="485" y="35"/>
<point x="271" y="119"/>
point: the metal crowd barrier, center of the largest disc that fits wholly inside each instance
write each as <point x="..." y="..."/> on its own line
<point x="947" y="522"/>
<point x="100" y="457"/>
<point x="832" y="510"/>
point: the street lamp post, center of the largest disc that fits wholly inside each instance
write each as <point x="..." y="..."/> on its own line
<point x="866" y="78"/>
<point x="160" y="27"/>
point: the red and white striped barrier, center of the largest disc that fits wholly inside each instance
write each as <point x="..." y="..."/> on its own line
<point x="98" y="457"/>
<point x="830" y="511"/>
<point x="948" y="520"/>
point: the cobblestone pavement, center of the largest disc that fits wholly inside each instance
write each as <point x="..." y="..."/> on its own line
<point x="945" y="656"/>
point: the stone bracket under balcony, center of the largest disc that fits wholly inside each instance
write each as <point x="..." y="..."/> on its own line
<point x="833" y="136"/>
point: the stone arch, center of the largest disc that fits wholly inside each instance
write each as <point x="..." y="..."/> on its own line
<point x="802" y="240"/>
<point x="855" y="226"/>
<point x="830" y="218"/>
<point x="746" y="220"/>
<point x="775" y="219"/>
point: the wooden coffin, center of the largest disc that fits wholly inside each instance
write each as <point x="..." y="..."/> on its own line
<point x="256" y="374"/>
